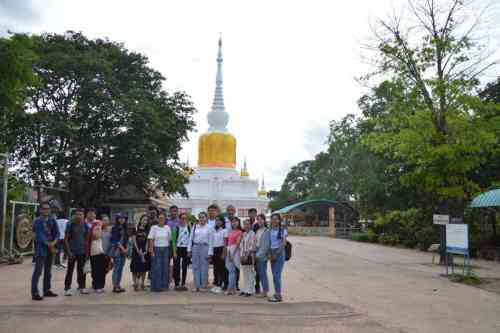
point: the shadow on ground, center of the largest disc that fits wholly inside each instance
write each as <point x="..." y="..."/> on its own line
<point x="284" y="316"/>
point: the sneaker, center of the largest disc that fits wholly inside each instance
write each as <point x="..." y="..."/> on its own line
<point x="261" y="295"/>
<point x="68" y="293"/>
<point x="63" y="266"/>
<point x="84" y="291"/>
<point x="275" y="299"/>
<point x="99" y="291"/>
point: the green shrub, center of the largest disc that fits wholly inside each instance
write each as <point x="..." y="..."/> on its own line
<point x="409" y="228"/>
<point x="426" y="236"/>
<point x="388" y="239"/>
<point x="365" y="237"/>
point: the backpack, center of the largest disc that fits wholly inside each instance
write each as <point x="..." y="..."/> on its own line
<point x="288" y="251"/>
<point x="288" y="246"/>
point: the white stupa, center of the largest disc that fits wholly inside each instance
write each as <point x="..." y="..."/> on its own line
<point x="215" y="179"/>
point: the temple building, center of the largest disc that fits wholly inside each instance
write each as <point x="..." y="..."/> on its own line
<point x="216" y="179"/>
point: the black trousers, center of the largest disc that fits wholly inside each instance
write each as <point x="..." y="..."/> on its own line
<point x="180" y="266"/>
<point x="257" y="280"/>
<point x="237" y="278"/>
<point x="98" y="264"/>
<point x="80" y="262"/>
<point x="41" y="264"/>
<point x="220" y="271"/>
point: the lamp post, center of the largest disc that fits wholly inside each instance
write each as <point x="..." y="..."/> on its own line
<point x="4" y="199"/>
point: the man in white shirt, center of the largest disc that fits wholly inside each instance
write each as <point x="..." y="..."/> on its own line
<point x="230" y="213"/>
<point x="213" y="210"/>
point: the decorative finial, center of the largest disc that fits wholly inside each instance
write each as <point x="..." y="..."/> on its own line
<point x="218" y="117"/>
<point x="244" y="170"/>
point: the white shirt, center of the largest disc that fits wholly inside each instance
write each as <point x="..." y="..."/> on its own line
<point x="61" y="225"/>
<point x="201" y="235"/>
<point x="161" y="236"/>
<point x="211" y="223"/>
<point x="182" y="236"/>
<point x="228" y="224"/>
<point x="218" y="237"/>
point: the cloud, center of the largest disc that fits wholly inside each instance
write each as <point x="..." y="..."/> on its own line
<point x="315" y="139"/>
<point x="17" y="16"/>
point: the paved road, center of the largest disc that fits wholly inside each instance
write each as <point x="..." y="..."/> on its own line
<point x="331" y="285"/>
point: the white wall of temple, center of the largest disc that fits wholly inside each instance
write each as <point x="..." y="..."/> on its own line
<point x="200" y="205"/>
<point x="223" y="187"/>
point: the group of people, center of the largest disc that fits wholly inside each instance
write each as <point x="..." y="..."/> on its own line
<point x="161" y="247"/>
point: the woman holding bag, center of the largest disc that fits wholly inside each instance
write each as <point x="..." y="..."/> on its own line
<point x="140" y="263"/>
<point x="119" y="242"/>
<point x="97" y="259"/>
<point x="200" y="249"/>
<point x="233" y="254"/>
<point x="277" y="254"/>
<point x="263" y="241"/>
<point x="247" y="259"/>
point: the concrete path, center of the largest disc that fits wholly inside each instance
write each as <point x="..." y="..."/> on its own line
<point x="331" y="285"/>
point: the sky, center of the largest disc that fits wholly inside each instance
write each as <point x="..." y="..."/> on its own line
<point x="289" y="66"/>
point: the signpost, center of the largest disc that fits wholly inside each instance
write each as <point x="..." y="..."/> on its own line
<point x="441" y="220"/>
<point x="457" y="242"/>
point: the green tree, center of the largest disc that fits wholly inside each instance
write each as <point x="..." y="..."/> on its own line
<point x="16" y="61"/>
<point x="100" y="120"/>
<point x="435" y="130"/>
<point x="296" y="186"/>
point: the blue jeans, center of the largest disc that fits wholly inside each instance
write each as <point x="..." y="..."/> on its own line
<point x="277" y="269"/>
<point x="160" y="269"/>
<point x="262" y="274"/>
<point x="118" y="263"/>
<point x="41" y="264"/>
<point x="232" y="269"/>
<point x="200" y="265"/>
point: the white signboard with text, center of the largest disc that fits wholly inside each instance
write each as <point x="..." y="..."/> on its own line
<point x="457" y="238"/>
<point x="441" y="219"/>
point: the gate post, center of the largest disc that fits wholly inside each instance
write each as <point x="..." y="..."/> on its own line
<point x="331" y="222"/>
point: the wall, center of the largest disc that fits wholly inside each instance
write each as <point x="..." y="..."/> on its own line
<point x="311" y="231"/>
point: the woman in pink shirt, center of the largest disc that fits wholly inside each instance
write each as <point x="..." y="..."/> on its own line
<point x="233" y="254"/>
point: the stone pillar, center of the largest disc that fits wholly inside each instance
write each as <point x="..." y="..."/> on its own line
<point x="331" y="222"/>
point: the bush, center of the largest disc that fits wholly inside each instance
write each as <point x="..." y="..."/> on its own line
<point x="409" y="228"/>
<point x="388" y="239"/>
<point x="365" y="237"/>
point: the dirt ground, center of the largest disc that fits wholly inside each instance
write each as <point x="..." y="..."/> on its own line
<point x="330" y="285"/>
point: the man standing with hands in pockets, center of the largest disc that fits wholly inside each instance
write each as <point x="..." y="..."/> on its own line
<point x="46" y="234"/>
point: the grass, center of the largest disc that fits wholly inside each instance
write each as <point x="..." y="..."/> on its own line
<point x="471" y="279"/>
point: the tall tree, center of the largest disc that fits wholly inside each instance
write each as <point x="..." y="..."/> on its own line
<point x="100" y="120"/>
<point x="16" y="61"/>
<point x="434" y="129"/>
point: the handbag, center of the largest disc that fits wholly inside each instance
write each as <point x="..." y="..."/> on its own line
<point x="273" y="254"/>
<point x="86" y="267"/>
<point x="247" y="260"/>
